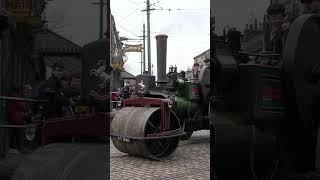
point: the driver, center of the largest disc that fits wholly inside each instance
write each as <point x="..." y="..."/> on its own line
<point x="276" y="32"/>
<point x="207" y="62"/>
<point x="52" y="90"/>
<point x="195" y="70"/>
<point x="125" y="91"/>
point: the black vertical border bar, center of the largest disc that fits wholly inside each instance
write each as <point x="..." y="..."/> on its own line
<point x="108" y="19"/>
<point x="212" y="49"/>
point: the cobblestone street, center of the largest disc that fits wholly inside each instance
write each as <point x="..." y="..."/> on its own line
<point x="191" y="160"/>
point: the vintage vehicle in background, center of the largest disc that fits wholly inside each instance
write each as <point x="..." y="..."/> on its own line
<point x="262" y="108"/>
<point x="151" y="124"/>
<point x="75" y="145"/>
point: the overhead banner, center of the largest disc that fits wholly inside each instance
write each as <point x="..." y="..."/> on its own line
<point x="133" y="48"/>
<point x="19" y="8"/>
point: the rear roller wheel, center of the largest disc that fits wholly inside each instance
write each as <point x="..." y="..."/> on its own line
<point x="161" y="147"/>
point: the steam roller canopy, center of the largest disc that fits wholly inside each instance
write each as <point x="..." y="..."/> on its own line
<point x="301" y="59"/>
<point x="135" y="123"/>
<point x="204" y="81"/>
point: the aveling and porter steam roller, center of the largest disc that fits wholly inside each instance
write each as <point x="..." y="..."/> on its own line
<point x="265" y="107"/>
<point x="151" y="124"/>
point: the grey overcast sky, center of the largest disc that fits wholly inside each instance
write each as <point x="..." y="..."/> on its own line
<point x="236" y="13"/>
<point x="187" y="29"/>
<point x="77" y="20"/>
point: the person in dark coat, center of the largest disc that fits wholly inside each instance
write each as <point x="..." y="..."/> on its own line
<point x="125" y="92"/>
<point x="195" y="70"/>
<point x="52" y="91"/>
<point x="277" y="29"/>
<point x="114" y="98"/>
<point x="69" y="85"/>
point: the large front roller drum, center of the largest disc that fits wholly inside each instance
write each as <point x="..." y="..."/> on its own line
<point x="135" y="123"/>
<point x="65" y="161"/>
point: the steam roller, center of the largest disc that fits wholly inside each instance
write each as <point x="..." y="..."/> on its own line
<point x="151" y="124"/>
<point x="147" y="122"/>
<point x="266" y="107"/>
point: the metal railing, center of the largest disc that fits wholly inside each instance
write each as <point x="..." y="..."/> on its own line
<point x="22" y="99"/>
<point x="6" y="98"/>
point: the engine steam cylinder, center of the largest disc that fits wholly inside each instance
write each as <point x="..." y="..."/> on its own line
<point x="161" y="58"/>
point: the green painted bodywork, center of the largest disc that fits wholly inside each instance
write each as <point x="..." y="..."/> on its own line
<point x="187" y="98"/>
<point x="183" y="107"/>
<point x="248" y="108"/>
<point x="191" y="91"/>
<point x="261" y="98"/>
<point x="240" y="146"/>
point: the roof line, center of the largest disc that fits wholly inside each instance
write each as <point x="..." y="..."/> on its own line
<point x="201" y="54"/>
<point x="60" y="36"/>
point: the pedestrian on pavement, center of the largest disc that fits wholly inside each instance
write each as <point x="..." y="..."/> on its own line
<point x="27" y="93"/>
<point x="16" y="115"/>
<point x="114" y="98"/>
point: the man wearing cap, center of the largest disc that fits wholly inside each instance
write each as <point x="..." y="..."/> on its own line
<point x="125" y="91"/>
<point x="275" y="35"/>
<point x="52" y="90"/>
<point x="195" y="70"/>
<point x="207" y="62"/>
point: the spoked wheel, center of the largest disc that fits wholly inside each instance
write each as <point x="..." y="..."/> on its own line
<point x="161" y="147"/>
<point x="136" y="123"/>
<point x="32" y="138"/>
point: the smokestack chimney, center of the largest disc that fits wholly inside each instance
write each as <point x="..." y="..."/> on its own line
<point x="161" y="58"/>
